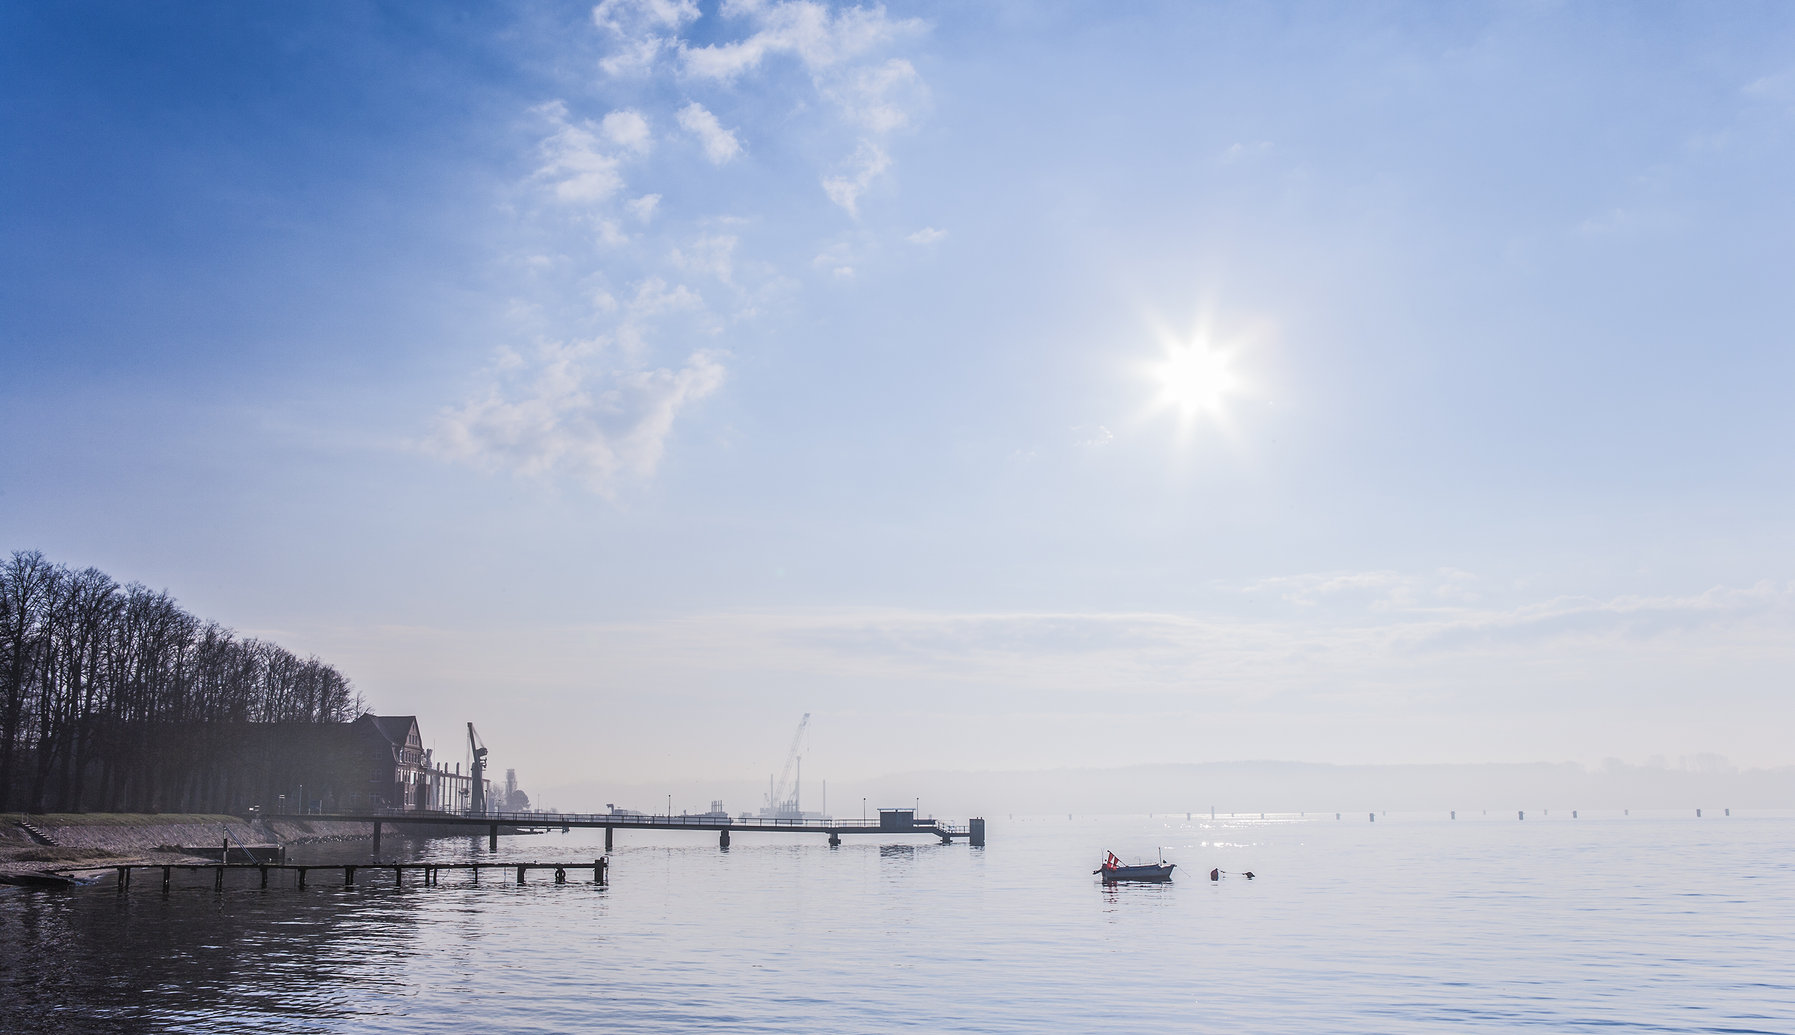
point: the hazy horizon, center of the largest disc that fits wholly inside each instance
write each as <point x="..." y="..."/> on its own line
<point x="1013" y="388"/>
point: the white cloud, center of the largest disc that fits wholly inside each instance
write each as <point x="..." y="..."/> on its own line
<point x="720" y="145"/>
<point x="810" y="32"/>
<point x="597" y="401"/>
<point x="927" y="235"/>
<point x="869" y="163"/>
<point x="643" y="208"/>
<point x="655" y="297"/>
<point x="628" y="17"/>
<point x="629" y="130"/>
<point x="711" y="253"/>
<point x="609" y="234"/>
<point x="880" y="98"/>
<point x="1778" y="88"/>
<point x="566" y="410"/>
<point x="1241" y="151"/>
<point x="646" y="28"/>
<point x="574" y="161"/>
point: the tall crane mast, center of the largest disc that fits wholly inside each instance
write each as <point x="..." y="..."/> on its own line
<point x="477" y="770"/>
<point x="778" y="797"/>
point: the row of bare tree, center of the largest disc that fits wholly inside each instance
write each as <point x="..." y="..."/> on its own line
<point x="113" y="698"/>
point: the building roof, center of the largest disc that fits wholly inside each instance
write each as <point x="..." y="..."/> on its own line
<point x="395" y="728"/>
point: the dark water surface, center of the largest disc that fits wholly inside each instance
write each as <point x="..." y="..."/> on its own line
<point x="1604" y="923"/>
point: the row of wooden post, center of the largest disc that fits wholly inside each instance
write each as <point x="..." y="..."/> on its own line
<point x="431" y="872"/>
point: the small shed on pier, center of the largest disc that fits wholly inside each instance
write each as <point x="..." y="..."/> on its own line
<point x="897" y="819"/>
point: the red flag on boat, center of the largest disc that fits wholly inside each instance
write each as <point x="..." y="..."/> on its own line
<point x="1112" y="861"/>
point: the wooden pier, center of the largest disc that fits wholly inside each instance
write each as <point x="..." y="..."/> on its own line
<point x="429" y="873"/>
<point x="891" y="822"/>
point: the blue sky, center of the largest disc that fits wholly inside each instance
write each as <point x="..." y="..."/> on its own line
<point x="668" y="365"/>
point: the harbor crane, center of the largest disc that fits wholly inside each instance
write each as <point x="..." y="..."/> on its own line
<point x="779" y="802"/>
<point x="477" y="769"/>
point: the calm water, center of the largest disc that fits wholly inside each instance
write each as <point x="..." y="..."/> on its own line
<point x="1604" y="923"/>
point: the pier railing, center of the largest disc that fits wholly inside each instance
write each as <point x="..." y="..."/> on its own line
<point x="682" y="821"/>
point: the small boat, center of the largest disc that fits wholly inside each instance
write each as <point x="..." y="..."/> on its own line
<point x="1113" y="870"/>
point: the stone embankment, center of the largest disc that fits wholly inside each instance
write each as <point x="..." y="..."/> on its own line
<point x="55" y="841"/>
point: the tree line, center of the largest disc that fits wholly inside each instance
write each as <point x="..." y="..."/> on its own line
<point x="114" y="698"/>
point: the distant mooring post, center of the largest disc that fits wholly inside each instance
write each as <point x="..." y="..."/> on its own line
<point x="975" y="832"/>
<point x="1455" y="815"/>
<point x="1520" y="815"/>
<point x="1374" y="817"/>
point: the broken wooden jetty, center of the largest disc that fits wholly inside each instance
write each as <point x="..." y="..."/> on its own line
<point x="430" y="873"/>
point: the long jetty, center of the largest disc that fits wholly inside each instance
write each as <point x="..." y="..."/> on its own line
<point x="430" y="872"/>
<point x="889" y="822"/>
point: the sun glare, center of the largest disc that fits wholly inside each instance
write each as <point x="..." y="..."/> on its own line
<point x="1195" y="378"/>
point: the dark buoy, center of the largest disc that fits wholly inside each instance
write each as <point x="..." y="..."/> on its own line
<point x="1215" y="874"/>
<point x="1249" y="875"/>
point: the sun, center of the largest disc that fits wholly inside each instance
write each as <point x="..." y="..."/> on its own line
<point x="1196" y="378"/>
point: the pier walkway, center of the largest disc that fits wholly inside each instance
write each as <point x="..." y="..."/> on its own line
<point x="890" y="822"/>
<point x="430" y="872"/>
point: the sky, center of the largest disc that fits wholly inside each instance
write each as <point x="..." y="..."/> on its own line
<point x="1009" y="386"/>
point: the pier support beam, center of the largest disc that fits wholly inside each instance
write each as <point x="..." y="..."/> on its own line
<point x="607" y="839"/>
<point x="492" y="838"/>
<point x="376" y="839"/>
<point x="976" y="832"/>
<point x="834" y="839"/>
<point x="722" y="838"/>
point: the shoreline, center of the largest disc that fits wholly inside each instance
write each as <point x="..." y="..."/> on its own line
<point x="77" y="840"/>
